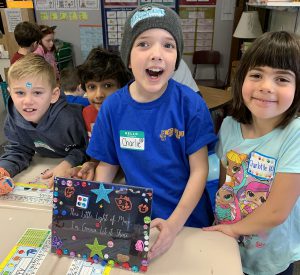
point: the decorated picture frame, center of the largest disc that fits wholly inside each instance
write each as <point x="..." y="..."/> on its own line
<point x="102" y="222"/>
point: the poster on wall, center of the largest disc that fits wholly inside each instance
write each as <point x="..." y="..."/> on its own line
<point x="115" y="14"/>
<point x="114" y="21"/>
<point x="66" y="4"/>
<point x="88" y="4"/>
<point x="13" y="18"/>
<point x="91" y="36"/>
<point x="44" y="5"/>
<point x="123" y="3"/>
<point x="197" y="2"/>
<point x="169" y="3"/>
<point x="197" y="28"/>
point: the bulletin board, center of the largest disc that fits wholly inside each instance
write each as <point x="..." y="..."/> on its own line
<point x="90" y="23"/>
<point x="114" y="17"/>
<point x="197" y="27"/>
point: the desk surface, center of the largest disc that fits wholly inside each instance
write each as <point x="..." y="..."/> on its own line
<point x="193" y="252"/>
<point x="215" y="98"/>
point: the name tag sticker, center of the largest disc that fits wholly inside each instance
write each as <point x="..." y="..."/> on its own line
<point x="261" y="166"/>
<point x="132" y="140"/>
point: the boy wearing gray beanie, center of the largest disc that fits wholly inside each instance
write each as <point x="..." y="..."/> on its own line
<point x="156" y="129"/>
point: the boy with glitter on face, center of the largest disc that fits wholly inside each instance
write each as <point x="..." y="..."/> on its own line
<point x="40" y="120"/>
<point x="158" y="130"/>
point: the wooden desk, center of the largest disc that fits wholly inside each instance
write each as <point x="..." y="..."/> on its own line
<point x="194" y="251"/>
<point x="215" y="98"/>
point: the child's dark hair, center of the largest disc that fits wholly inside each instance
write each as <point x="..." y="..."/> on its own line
<point x="27" y="33"/>
<point x="45" y="31"/>
<point x="280" y="50"/>
<point x="102" y="64"/>
<point x="69" y="79"/>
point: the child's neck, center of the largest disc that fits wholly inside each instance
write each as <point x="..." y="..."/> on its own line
<point x="24" y="51"/>
<point x="137" y="93"/>
<point x="257" y="129"/>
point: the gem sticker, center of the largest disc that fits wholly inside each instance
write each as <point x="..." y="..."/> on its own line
<point x="82" y="201"/>
<point x="28" y="85"/>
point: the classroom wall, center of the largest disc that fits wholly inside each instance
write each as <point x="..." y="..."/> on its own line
<point x="286" y="19"/>
<point x="223" y="31"/>
<point x="70" y="32"/>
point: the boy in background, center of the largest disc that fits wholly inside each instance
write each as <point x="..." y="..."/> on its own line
<point x="158" y="130"/>
<point x="27" y="35"/>
<point x="41" y="121"/>
<point x="101" y="74"/>
<point x="70" y="85"/>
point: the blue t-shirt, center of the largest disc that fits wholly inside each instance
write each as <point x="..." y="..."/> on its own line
<point x="78" y="100"/>
<point x="251" y="167"/>
<point x="152" y="142"/>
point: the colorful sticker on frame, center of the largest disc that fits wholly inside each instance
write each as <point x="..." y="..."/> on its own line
<point x="197" y="28"/>
<point x="102" y="222"/>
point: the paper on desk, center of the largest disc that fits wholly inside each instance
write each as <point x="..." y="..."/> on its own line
<point x="30" y="195"/>
<point x="28" y="254"/>
<point x="34" y="191"/>
<point x="80" y="267"/>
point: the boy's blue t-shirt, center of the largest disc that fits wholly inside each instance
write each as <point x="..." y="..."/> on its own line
<point x="152" y="143"/>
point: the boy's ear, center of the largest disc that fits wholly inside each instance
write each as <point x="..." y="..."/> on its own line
<point x="55" y="95"/>
<point x="34" y="46"/>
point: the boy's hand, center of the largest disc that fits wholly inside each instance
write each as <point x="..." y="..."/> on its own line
<point x="85" y="172"/>
<point x="6" y="182"/>
<point x="165" y="238"/>
<point x="61" y="170"/>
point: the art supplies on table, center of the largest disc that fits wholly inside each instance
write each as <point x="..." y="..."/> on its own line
<point x="101" y="222"/>
<point x="28" y="254"/>
<point x="35" y="191"/>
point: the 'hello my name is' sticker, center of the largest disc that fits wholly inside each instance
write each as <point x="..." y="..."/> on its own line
<point x="132" y="140"/>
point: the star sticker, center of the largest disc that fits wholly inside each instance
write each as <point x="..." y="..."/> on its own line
<point x="102" y="193"/>
<point x="96" y="248"/>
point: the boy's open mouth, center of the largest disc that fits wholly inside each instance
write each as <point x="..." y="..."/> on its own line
<point x="154" y="73"/>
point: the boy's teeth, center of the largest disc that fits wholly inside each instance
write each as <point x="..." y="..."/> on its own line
<point x="155" y="70"/>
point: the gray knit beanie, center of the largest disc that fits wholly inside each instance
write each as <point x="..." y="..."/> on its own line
<point x="151" y="16"/>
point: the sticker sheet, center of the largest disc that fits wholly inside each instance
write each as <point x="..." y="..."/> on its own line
<point x="28" y="254"/>
<point x="101" y="222"/>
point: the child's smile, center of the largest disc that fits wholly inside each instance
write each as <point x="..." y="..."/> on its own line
<point x="268" y="92"/>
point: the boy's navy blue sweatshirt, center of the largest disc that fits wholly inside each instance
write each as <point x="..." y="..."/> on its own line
<point x="61" y="133"/>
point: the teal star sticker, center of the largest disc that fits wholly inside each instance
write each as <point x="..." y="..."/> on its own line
<point x="102" y="193"/>
<point x="96" y="248"/>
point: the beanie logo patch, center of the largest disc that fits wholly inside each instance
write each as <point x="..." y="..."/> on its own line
<point x="145" y="13"/>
